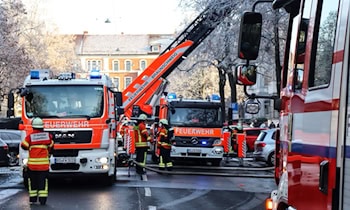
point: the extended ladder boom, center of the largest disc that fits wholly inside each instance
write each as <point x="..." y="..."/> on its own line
<point x="140" y="89"/>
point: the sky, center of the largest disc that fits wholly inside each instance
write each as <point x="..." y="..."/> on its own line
<point x="126" y="16"/>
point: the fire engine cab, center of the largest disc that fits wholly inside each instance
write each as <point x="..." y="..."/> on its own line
<point x="80" y="114"/>
<point x="313" y="147"/>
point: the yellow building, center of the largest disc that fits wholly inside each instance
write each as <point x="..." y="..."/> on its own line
<point x="123" y="57"/>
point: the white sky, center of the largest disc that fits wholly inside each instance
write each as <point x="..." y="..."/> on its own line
<point x="127" y="16"/>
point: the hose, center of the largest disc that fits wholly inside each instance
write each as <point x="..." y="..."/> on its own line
<point x="133" y="162"/>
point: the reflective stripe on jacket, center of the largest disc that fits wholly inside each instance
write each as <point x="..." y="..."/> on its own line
<point x="39" y="144"/>
<point x="163" y="139"/>
<point x="141" y="135"/>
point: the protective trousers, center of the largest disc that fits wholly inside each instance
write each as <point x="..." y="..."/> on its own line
<point x="141" y="156"/>
<point x="38" y="186"/>
<point x="165" y="160"/>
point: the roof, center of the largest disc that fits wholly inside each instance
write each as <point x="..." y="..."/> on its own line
<point x="120" y="44"/>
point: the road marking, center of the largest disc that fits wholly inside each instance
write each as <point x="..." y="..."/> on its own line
<point x="144" y="177"/>
<point x="152" y="207"/>
<point x="148" y="192"/>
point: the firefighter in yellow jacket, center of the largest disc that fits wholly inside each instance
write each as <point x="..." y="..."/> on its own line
<point x="39" y="144"/>
<point x="164" y="143"/>
<point x="141" y="139"/>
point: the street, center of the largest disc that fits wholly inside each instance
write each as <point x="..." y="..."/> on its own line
<point x="154" y="191"/>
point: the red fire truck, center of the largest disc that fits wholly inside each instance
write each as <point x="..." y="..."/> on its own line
<point x="144" y="94"/>
<point x="312" y="163"/>
<point x="80" y="114"/>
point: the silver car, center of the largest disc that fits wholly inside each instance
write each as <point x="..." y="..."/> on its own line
<point x="264" y="146"/>
<point x="13" y="139"/>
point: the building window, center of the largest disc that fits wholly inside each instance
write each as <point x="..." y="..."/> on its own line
<point x="155" y="48"/>
<point x="94" y="65"/>
<point x="127" y="82"/>
<point x="128" y="65"/>
<point x="267" y="107"/>
<point x="116" y="66"/>
<point x="143" y="65"/>
<point x="116" y="82"/>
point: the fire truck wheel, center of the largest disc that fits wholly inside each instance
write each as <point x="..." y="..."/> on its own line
<point x="282" y="206"/>
<point x="109" y="180"/>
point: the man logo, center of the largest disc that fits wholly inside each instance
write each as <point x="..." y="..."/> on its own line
<point x="64" y="135"/>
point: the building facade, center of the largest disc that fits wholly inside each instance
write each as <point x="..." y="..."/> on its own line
<point x="123" y="57"/>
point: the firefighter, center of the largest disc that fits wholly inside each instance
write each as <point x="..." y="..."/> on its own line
<point x="164" y="143"/>
<point x="141" y="139"/>
<point x="39" y="144"/>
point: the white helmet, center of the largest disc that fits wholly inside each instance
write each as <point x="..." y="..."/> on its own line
<point x="142" y="117"/>
<point x="37" y="123"/>
<point x="164" y="121"/>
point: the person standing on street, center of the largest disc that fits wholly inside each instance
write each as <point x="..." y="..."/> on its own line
<point x="164" y="143"/>
<point x="141" y="139"/>
<point x="39" y="145"/>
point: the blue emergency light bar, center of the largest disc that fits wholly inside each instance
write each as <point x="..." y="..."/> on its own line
<point x="95" y="74"/>
<point x="172" y="96"/>
<point x="37" y="74"/>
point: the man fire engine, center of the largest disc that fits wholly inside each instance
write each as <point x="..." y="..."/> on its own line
<point x="80" y="115"/>
<point x="312" y="163"/>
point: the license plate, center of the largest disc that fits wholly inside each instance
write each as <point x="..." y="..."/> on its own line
<point x="65" y="160"/>
<point x="194" y="150"/>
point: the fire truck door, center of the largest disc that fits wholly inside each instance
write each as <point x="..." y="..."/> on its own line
<point x="343" y="154"/>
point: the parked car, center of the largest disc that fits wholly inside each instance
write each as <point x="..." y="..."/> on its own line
<point x="264" y="147"/>
<point x="4" y="153"/>
<point x="13" y="139"/>
<point x="251" y="136"/>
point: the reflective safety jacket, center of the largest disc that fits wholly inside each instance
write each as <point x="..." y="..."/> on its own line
<point x="39" y="145"/>
<point x="163" y="139"/>
<point x="141" y="135"/>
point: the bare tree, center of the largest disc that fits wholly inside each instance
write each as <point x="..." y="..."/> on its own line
<point x="221" y="46"/>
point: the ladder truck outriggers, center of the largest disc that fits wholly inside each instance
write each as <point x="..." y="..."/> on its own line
<point x="80" y="114"/>
<point x="312" y="168"/>
<point x="143" y="95"/>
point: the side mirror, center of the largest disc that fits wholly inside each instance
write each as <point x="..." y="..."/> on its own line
<point x="246" y="75"/>
<point x="252" y="106"/>
<point x="249" y="36"/>
<point x="118" y="98"/>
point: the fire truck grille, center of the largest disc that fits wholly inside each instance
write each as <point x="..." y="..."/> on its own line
<point x="65" y="153"/>
<point x="65" y="166"/>
<point x="71" y="137"/>
<point x="194" y="141"/>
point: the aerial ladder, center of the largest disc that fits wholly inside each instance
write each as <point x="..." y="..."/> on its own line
<point x="145" y="91"/>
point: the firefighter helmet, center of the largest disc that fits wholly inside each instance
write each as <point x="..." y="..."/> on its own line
<point x="164" y="121"/>
<point x="142" y="117"/>
<point x="37" y="123"/>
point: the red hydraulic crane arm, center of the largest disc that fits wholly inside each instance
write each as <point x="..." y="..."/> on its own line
<point x="151" y="80"/>
<point x="139" y="87"/>
<point x="151" y="98"/>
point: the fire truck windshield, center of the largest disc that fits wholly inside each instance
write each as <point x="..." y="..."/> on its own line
<point x="64" y="101"/>
<point x="196" y="117"/>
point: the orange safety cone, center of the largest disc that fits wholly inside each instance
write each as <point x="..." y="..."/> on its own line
<point x="241" y="145"/>
<point x="226" y="143"/>
<point x="131" y="142"/>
